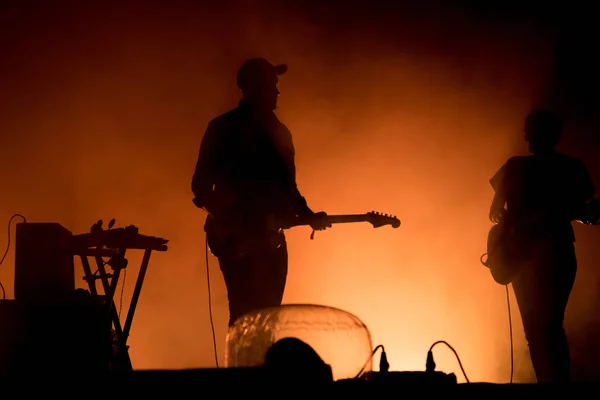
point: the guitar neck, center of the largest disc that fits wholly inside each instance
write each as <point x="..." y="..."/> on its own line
<point x="347" y="218"/>
<point x="338" y="219"/>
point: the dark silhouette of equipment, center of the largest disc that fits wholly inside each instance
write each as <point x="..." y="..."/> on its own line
<point x="386" y="377"/>
<point x="50" y="323"/>
<point x="44" y="267"/>
<point x="66" y="336"/>
<point x="292" y="361"/>
<point x="112" y="244"/>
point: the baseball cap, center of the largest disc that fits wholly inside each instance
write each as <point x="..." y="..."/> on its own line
<point x="258" y="69"/>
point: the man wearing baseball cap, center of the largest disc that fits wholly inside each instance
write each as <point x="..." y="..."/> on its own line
<point x="245" y="179"/>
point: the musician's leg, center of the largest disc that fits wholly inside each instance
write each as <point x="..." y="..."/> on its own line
<point x="542" y="293"/>
<point x="273" y="284"/>
<point x="269" y="274"/>
<point x="565" y="262"/>
<point x="254" y="281"/>
<point x="237" y="274"/>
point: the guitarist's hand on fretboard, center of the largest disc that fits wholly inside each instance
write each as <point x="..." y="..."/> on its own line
<point x="319" y="221"/>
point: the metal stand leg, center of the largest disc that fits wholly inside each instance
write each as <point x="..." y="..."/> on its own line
<point x="121" y="360"/>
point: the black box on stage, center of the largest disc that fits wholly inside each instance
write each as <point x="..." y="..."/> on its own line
<point x="71" y="335"/>
<point x="44" y="266"/>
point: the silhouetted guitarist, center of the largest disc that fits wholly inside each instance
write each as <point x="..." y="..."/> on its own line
<point x="543" y="194"/>
<point x="245" y="176"/>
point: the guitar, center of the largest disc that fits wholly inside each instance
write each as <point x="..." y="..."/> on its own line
<point x="221" y="238"/>
<point x="590" y="215"/>
<point x="503" y="252"/>
<point x="506" y="246"/>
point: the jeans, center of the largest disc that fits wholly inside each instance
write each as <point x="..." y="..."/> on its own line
<point x="254" y="281"/>
<point x="542" y="290"/>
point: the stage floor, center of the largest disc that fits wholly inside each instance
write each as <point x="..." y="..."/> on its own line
<point x="252" y="379"/>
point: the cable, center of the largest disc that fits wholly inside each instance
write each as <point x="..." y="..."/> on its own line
<point x="212" y="324"/>
<point x="382" y="363"/>
<point x="8" y="248"/>
<point x="512" y="349"/>
<point x="510" y="329"/>
<point x="430" y="364"/>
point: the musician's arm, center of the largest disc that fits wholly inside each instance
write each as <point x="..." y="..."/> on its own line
<point x="299" y="203"/>
<point x="303" y="211"/>
<point x="584" y="191"/>
<point x="204" y="174"/>
<point x="499" y="183"/>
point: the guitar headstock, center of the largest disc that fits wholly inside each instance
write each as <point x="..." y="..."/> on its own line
<point x="378" y="220"/>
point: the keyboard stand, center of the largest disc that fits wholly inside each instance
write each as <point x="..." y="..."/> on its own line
<point x="117" y="262"/>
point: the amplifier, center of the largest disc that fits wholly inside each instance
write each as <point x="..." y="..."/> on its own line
<point x="44" y="266"/>
<point x="72" y="335"/>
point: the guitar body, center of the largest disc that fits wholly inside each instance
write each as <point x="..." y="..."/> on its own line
<point x="224" y="237"/>
<point x="508" y="247"/>
<point x="505" y="253"/>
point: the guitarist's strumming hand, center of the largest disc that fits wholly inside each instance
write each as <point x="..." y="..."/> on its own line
<point x="210" y="205"/>
<point x="497" y="215"/>
<point x="497" y="210"/>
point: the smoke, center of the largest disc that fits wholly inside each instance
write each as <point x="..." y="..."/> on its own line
<point x="104" y="109"/>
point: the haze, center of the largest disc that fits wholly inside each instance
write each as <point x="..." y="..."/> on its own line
<point x="102" y="115"/>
